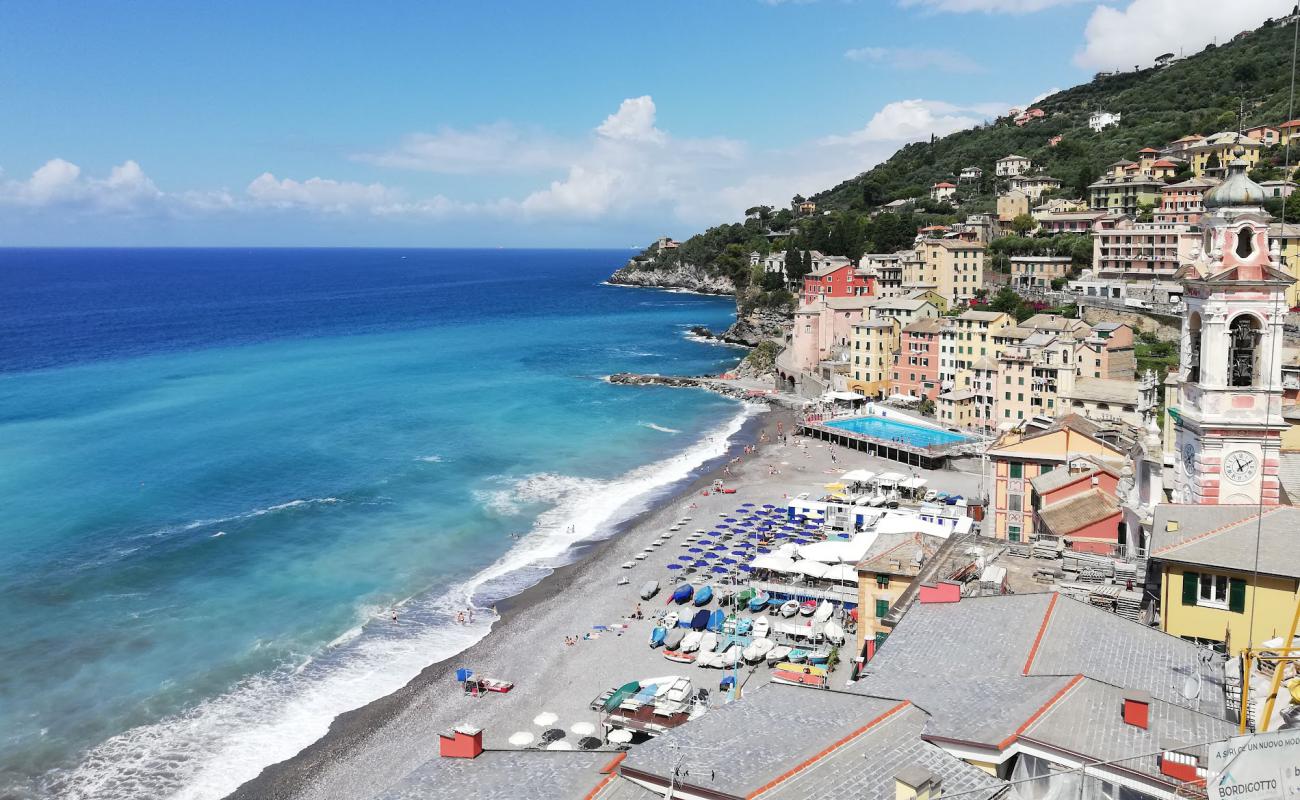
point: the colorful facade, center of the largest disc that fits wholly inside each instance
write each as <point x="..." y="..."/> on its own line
<point x="916" y="364"/>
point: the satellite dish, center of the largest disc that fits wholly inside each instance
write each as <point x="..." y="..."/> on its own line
<point x="1192" y="688"/>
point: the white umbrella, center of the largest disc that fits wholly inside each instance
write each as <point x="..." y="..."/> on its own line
<point x="813" y="569"/>
<point x="583" y="728"/>
<point x="841" y="572"/>
<point x="774" y="562"/>
<point x="560" y="745"/>
<point x="521" y="739"/>
<point x="620" y="736"/>
<point x="544" y="719"/>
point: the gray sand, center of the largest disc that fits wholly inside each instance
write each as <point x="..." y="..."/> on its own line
<point x="371" y="749"/>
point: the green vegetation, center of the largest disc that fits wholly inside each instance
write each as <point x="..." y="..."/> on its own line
<point x="1153" y="354"/>
<point x="1199" y="94"/>
<point x="763" y="357"/>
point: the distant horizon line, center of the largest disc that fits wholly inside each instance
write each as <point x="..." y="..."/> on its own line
<point x="289" y="247"/>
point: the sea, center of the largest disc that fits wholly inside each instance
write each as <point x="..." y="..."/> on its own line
<point x="223" y="471"/>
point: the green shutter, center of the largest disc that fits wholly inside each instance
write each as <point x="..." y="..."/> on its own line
<point x="880" y="639"/>
<point x="882" y="608"/>
<point x="1191" y="588"/>
<point x="1236" y="595"/>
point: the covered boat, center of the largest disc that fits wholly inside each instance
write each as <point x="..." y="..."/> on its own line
<point x="834" y="632"/>
<point x="777" y="654"/>
<point x="823" y="611"/>
<point x="683" y="593"/>
<point x="758" y="650"/>
<point x="716" y="621"/>
<point x="745" y="595"/>
<point x="761" y="627"/>
<point x="670" y="619"/>
<point x="703" y="595"/>
<point x="690" y="642"/>
<point x="708" y="642"/>
<point x="674" y="638"/>
<point x="657" y="636"/>
<point x="758" y="601"/>
<point x="700" y="621"/>
<point x="649" y="589"/>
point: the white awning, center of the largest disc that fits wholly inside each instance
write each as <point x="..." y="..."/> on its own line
<point x="841" y="572"/>
<point x="775" y="563"/>
<point x="846" y="396"/>
<point x="914" y="483"/>
<point x="857" y="476"/>
<point x="813" y="569"/>
<point x="890" y="478"/>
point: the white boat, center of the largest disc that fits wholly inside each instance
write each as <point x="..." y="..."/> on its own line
<point x="777" y="654"/>
<point x="758" y="650"/>
<point x="691" y="642"/>
<point x="730" y="657"/>
<point x="823" y="611"/>
<point x="706" y="659"/>
<point x="649" y="589"/>
<point x="789" y="608"/>
<point x="629" y="564"/>
<point x="670" y="621"/>
<point x="708" y="641"/>
<point x="834" y="632"/>
<point x="760" y="628"/>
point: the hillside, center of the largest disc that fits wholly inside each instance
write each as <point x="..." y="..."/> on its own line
<point x="1198" y="94"/>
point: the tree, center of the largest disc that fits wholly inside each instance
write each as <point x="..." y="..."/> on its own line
<point x="1146" y="211"/>
<point x="1213" y="162"/>
<point x="1083" y="179"/>
<point x="926" y="407"/>
<point x="1023" y="224"/>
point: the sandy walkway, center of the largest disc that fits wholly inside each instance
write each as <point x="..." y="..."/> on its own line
<point x="370" y="749"/>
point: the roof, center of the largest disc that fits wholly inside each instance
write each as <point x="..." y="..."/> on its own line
<point x="1148" y="150"/>
<point x="924" y="325"/>
<point x="498" y="774"/>
<point x="1078" y="512"/>
<point x="1058" y="478"/>
<point x="1043" y="634"/>
<point x="944" y="185"/>
<point x="1295" y="123"/>
<point x="957" y="396"/>
<point x="848" y="303"/>
<point x="1103" y="390"/>
<point x="1031" y="178"/>
<point x="895" y="553"/>
<point x="1164" y="162"/>
<point x="807" y="721"/>
<point x="1013" y="157"/>
<point x="903" y="304"/>
<point x="982" y="316"/>
<point x="620" y="788"/>
<point x="956" y="244"/>
<point x="1224" y="536"/>
<point x="829" y="269"/>
<point x="984" y="362"/>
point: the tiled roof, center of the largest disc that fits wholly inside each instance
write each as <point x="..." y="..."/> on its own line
<point x="498" y="774"/>
<point x="982" y="316"/>
<point x="1103" y="390"/>
<point x="924" y="325"/>
<point x="1077" y="512"/>
<point x="1060" y="478"/>
<point x="1226" y="537"/>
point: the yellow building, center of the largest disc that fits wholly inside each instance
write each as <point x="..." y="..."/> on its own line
<point x="1209" y="589"/>
<point x="1011" y="205"/>
<point x="1211" y="156"/>
<point x="884" y="573"/>
<point x="1288" y="237"/>
<point x="871" y="356"/>
<point x="952" y="267"/>
<point x="1018" y="457"/>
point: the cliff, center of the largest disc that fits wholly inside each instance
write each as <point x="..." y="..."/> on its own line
<point x="757" y="326"/>
<point x="676" y="276"/>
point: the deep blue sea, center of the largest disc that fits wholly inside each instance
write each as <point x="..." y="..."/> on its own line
<point x="221" y="469"/>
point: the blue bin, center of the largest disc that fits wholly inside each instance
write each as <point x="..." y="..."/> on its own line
<point x="462" y="675"/>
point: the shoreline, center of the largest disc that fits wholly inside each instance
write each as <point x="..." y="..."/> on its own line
<point x="304" y="774"/>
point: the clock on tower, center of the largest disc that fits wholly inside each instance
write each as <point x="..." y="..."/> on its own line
<point x="1227" y="414"/>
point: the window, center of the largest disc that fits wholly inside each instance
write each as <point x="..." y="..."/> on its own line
<point x="1015" y="502"/>
<point x="1013" y="533"/>
<point x="1214" y="591"/>
<point x="882" y="581"/>
<point x="1017" y="470"/>
<point x="882" y="608"/>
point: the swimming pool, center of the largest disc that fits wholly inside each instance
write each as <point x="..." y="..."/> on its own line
<point x="889" y="430"/>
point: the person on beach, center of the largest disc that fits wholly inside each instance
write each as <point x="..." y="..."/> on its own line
<point x="637" y="614"/>
<point x="460" y="617"/>
<point x="469" y="615"/>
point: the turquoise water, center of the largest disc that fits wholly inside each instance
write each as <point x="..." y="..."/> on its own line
<point x="889" y="430"/>
<point x="220" y="469"/>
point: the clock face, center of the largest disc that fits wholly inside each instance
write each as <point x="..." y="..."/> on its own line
<point x="1189" y="458"/>
<point x="1239" y="466"/>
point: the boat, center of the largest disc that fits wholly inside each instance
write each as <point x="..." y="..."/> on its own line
<point x="716" y="620"/>
<point x="708" y="659"/>
<point x="744" y="597"/>
<point x="807" y="607"/>
<point x="680" y="656"/>
<point x="496" y="685"/>
<point x="674" y="638"/>
<point x="670" y="620"/>
<point x="834" y="632"/>
<point x="761" y="627"/>
<point x="823" y="611"/>
<point x="798" y="677"/>
<point x="789" y="608"/>
<point x="657" y="636"/>
<point x="726" y="597"/>
<point x="819" y="656"/>
<point x="777" y="654"/>
<point x="703" y="595"/>
<point x="798" y="655"/>
<point x="758" y="650"/>
<point x="757" y="602"/>
<point x="690" y="642"/>
<point x="649" y="589"/>
<point x="700" y="621"/>
<point x="621" y="694"/>
<point x="708" y="641"/>
<point x="682" y="594"/>
<point x="743" y="626"/>
<point x="792" y="667"/>
<point x="731" y="656"/>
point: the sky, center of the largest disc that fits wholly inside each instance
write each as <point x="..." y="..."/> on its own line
<point x="570" y="123"/>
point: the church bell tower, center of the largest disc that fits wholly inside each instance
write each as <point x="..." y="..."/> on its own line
<point x="1228" y="415"/>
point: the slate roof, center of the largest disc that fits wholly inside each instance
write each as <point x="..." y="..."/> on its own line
<point x="901" y="547"/>
<point x="1103" y="390"/>
<point x="792" y="725"/>
<point x="498" y="774"/>
<point x="620" y="788"/>
<point x="1079" y="511"/>
<point x="1058" y="478"/>
<point x="1224" y="536"/>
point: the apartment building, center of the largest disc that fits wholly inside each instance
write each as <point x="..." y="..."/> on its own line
<point x="1183" y="202"/>
<point x="1053" y="222"/>
<point x="1142" y="250"/>
<point x="916" y="362"/>
<point x="1038" y="272"/>
<point x="871" y="356"/>
<point x="887" y="271"/>
<point x="953" y="268"/>
<point x="1033" y="186"/>
<point x="1211" y="155"/>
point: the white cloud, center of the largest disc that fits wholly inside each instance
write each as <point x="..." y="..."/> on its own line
<point x="634" y="122"/>
<point x="915" y="58"/>
<point x="58" y="182"/>
<point x="1039" y="98"/>
<point x="988" y="6"/>
<point x="499" y="148"/>
<point x="912" y="120"/>
<point x="321" y="194"/>
<point x="1136" y="34"/>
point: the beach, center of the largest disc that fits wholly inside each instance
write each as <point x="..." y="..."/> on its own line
<point x="372" y="749"/>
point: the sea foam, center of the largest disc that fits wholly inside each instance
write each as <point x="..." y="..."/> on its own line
<point x="209" y="750"/>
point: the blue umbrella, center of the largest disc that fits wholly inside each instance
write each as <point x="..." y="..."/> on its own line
<point x="728" y="561"/>
<point x="720" y="570"/>
<point x="739" y="553"/>
<point x="842" y="535"/>
<point x="746" y="568"/>
<point x="728" y="519"/>
<point x="705" y="541"/>
<point x="710" y="555"/>
<point x="694" y="550"/>
<point x="746" y="505"/>
<point x="764" y="549"/>
<point x="768" y="506"/>
<point x="685" y="558"/>
<point x="674" y="566"/>
<point x="701" y="563"/>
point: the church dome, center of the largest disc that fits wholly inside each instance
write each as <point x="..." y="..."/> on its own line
<point x="1237" y="189"/>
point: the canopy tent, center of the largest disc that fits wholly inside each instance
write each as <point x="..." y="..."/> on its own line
<point x="907" y="523"/>
<point x="775" y="563"/>
<point x="913" y="483"/>
<point x="841" y="572"/>
<point x="890" y="478"/>
<point x="903" y="398"/>
<point x="847" y="397"/>
<point x="858" y="476"/>
<point x="813" y="569"/>
<point x="835" y="552"/>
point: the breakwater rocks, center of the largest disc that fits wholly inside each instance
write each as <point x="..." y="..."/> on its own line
<point x="683" y="276"/>
<point x="723" y="387"/>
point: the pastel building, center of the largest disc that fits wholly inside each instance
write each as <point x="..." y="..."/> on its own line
<point x="1182" y="202"/>
<point x="837" y="279"/>
<point x="1038" y="272"/>
<point x="916" y="363"/>
<point x="1011" y="165"/>
<point x="1142" y="250"/>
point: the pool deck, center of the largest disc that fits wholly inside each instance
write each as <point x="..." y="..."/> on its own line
<point x="932" y="457"/>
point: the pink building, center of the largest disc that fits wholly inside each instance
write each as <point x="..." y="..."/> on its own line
<point x="916" y="362"/>
<point x="1079" y="505"/>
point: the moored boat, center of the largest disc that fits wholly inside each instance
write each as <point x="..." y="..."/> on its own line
<point x="758" y="601"/>
<point x="649" y="589"/>
<point x="682" y="594"/>
<point x="703" y="595"/>
<point x="789" y="608"/>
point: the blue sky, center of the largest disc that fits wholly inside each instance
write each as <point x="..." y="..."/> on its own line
<point x="599" y="123"/>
